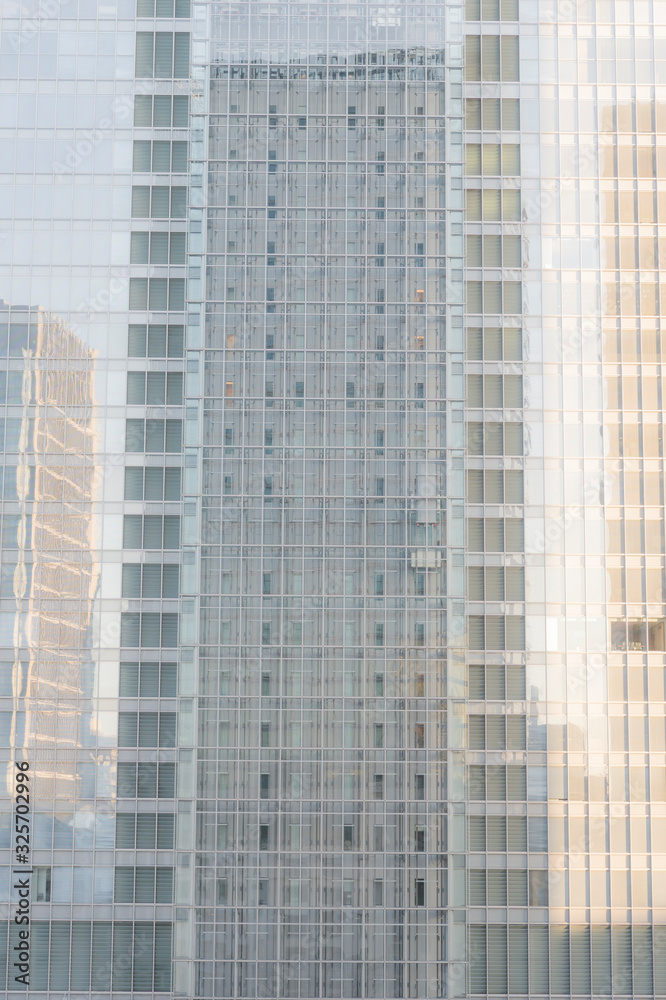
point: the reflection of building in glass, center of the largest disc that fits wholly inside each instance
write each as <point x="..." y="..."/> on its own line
<point x="375" y="707"/>
<point x="331" y="450"/>
<point x="56" y="576"/>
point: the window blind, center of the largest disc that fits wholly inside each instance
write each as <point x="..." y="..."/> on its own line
<point x="514" y="530"/>
<point x="170" y="575"/>
<point x="496" y="782"/>
<point x="473" y="57"/>
<point x="511" y="251"/>
<point x="123" y="885"/>
<point x="475" y="437"/>
<point x="516" y="736"/>
<point x="510" y="159"/>
<point x="176" y="341"/>
<point x="622" y="972"/>
<point x="473" y="112"/>
<point x="180" y="111"/>
<point x="129" y="629"/>
<point x="163" y="55"/>
<point x="474" y="296"/>
<point x="510" y="113"/>
<point x="513" y="296"/>
<point x="150" y="629"/>
<point x="473" y="158"/>
<point x="473" y="205"/>
<point x="176" y="294"/>
<point x="510" y="58"/>
<point x="510" y="205"/>
<point x="490" y="57"/>
<point x="493" y="391"/>
<point x="513" y="486"/>
<point x="475" y="390"/>
<point x="171" y="531"/>
<point x="39" y="953"/>
<point x="152" y="531"/>
<point x="492" y="343"/>
<point x="497" y="959"/>
<point x="141" y="156"/>
<point x="477" y="959"/>
<point x="159" y="202"/>
<point x="80" y="955"/>
<point x="136" y="388"/>
<point x="642" y="960"/>
<point x="148" y="729"/>
<point x="496" y="732"/>
<point x="134" y="435"/>
<point x="477" y="887"/>
<point x="475" y="485"/>
<point x="516" y="783"/>
<point x="136" y="347"/>
<point x="477" y="833"/>
<point x="476" y="632"/>
<point x="127" y="729"/>
<point x="476" y="682"/>
<point x="513" y="390"/>
<point x="177" y="248"/>
<point x="492" y="251"/>
<point x="151" y="584"/>
<point x="538" y="946"/>
<point x="178" y="202"/>
<point x="497" y="889"/>
<point x="139" y="248"/>
<point x="517" y="959"/>
<point x="129" y="680"/>
<point x="168" y="680"/>
<point x="492" y="297"/>
<point x="159" y="248"/>
<point x="476" y="732"/>
<point x="179" y="157"/>
<point x="131" y="580"/>
<point x="138" y="293"/>
<point x="496" y="833"/>
<point x="494" y="486"/>
<point x="601" y="960"/>
<point x="181" y="68"/>
<point x="125" y="823"/>
<point x="491" y="159"/>
<point x="158" y="294"/>
<point x="157" y="336"/>
<point x="509" y="10"/>
<point x="495" y="583"/>
<point x="154" y="435"/>
<point x="144" y="54"/>
<point x="161" y="156"/>
<point x="475" y="583"/>
<point x="122" y="952"/>
<point x="517" y="833"/>
<point x="174" y="392"/>
<point x="162" y="951"/>
<point x="143" y="109"/>
<point x="477" y="782"/>
<point x="515" y="632"/>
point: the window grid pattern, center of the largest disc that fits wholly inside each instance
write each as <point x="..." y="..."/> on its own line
<point x="326" y="516"/>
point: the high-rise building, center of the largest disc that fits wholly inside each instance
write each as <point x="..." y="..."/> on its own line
<point x="332" y="610"/>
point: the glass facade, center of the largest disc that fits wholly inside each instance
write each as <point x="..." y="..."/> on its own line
<point x="329" y="346"/>
<point x="332" y="612"/>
